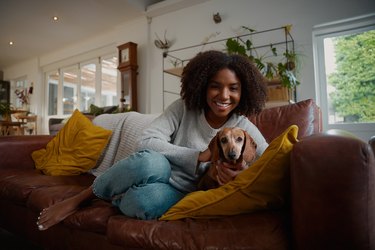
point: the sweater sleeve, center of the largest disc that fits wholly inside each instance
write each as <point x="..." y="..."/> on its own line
<point x="159" y="137"/>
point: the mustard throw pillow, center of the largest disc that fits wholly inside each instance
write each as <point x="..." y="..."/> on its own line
<point x="264" y="185"/>
<point x="74" y="150"/>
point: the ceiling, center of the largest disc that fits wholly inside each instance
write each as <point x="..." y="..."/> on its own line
<point x="29" y="24"/>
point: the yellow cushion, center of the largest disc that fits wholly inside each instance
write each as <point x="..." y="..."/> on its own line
<point x="264" y="185"/>
<point x="74" y="150"/>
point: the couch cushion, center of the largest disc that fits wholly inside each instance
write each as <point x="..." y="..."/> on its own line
<point x="17" y="184"/>
<point x="92" y="216"/>
<point x="273" y="121"/>
<point x="260" y="230"/>
<point x="74" y="150"/>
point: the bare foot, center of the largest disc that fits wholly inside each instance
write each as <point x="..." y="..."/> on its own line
<point x="58" y="212"/>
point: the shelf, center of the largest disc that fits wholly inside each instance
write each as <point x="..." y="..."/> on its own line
<point x="175" y="71"/>
<point x="263" y="41"/>
<point x="272" y="104"/>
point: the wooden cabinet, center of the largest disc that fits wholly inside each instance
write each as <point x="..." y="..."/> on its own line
<point x="4" y="92"/>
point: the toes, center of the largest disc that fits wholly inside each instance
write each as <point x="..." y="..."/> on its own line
<point x="43" y="210"/>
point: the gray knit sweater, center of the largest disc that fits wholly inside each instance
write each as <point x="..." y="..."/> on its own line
<point x="181" y="134"/>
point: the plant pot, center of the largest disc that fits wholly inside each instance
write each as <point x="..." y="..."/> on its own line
<point x="6" y="117"/>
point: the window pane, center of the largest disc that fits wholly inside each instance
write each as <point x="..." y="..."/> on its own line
<point x="87" y="86"/>
<point x="53" y="81"/>
<point x="70" y="91"/>
<point x="350" y="76"/>
<point x="109" y="82"/>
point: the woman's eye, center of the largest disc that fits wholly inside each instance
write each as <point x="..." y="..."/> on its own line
<point x="234" y="88"/>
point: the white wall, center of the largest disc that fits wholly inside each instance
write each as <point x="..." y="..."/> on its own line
<point x="135" y="31"/>
<point x="190" y="26"/>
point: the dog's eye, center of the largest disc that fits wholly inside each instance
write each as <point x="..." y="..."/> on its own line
<point x="223" y="140"/>
<point x="239" y="139"/>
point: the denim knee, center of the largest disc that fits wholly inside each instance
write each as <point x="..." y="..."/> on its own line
<point x="152" y="162"/>
<point x="140" y="168"/>
<point x="149" y="201"/>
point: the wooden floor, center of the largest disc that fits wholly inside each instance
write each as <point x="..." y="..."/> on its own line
<point x="10" y="242"/>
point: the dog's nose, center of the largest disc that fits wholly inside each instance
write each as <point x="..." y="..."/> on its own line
<point x="232" y="155"/>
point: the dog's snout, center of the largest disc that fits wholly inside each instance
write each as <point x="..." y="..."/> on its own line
<point x="232" y="155"/>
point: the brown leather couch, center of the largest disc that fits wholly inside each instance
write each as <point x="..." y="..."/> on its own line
<point x="332" y="199"/>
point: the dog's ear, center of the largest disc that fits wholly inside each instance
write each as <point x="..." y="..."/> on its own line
<point x="215" y="148"/>
<point x="249" y="148"/>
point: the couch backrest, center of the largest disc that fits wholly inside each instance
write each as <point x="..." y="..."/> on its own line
<point x="273" y="121"/>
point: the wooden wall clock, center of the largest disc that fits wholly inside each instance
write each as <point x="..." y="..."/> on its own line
<point x="128" y="67"/>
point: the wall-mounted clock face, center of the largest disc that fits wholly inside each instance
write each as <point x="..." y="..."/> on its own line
<point x="127" y="54"/>
<point x="124" y="55"/>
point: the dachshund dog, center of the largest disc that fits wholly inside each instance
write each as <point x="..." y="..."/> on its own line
<point x="232" y="145"/>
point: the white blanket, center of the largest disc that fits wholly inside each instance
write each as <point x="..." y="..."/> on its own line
<point x="126" y="128"/>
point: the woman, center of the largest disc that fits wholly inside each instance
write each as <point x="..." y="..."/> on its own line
<point x="218" y="90"/>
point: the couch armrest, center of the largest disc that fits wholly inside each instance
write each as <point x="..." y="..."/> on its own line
<point x="333" y="193"/>
<point x="15" y="151"/>
<point x="372" y="143"/>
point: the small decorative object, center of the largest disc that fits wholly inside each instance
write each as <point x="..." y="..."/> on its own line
<point x="162" y="44"/>
<point x="209" y="37"/>
<point x="31" y="89"/>
<point x="217" y="18"/>
<point x="23" y="96"/>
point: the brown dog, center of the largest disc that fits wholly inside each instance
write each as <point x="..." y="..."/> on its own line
<point x="230" y="145"/>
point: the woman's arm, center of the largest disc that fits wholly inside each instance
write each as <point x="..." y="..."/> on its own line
<point x="159" y="137"/>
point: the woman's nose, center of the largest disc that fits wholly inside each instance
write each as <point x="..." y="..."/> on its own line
<point x="224" y="93"/>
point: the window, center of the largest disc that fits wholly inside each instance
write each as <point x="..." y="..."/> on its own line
<point x="88" y="86"/>
<point x="109" y="81"/>
<point x="344" y="58"/>
<point x="79" y="85"/>
<point x="53" y="82"/>
<point x="70" y="90"/>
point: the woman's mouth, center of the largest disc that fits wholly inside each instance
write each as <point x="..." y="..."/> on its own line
<point x="222" y="105"/>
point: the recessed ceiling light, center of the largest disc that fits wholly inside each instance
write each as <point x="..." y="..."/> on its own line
<point x="11" y="43"/>
<point x="55" y="18"/>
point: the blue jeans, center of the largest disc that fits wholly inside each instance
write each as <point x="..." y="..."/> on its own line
<point x="139" y="185"/>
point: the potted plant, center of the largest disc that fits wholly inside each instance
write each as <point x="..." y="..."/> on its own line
<point x="5" y="111"/>
<point x="281" y="71"/>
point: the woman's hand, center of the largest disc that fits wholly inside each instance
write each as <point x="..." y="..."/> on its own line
<point x="204" y="156"/>
<point x="227" y="172"/>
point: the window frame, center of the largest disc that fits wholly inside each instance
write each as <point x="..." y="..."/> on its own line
<point x="320" y="32"/>
<point x="69" y="63"/>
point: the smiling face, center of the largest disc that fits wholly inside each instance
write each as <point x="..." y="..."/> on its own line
<point x="223" y="96"/>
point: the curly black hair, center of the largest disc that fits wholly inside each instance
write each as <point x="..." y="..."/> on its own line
<point x="198" y="72"/>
